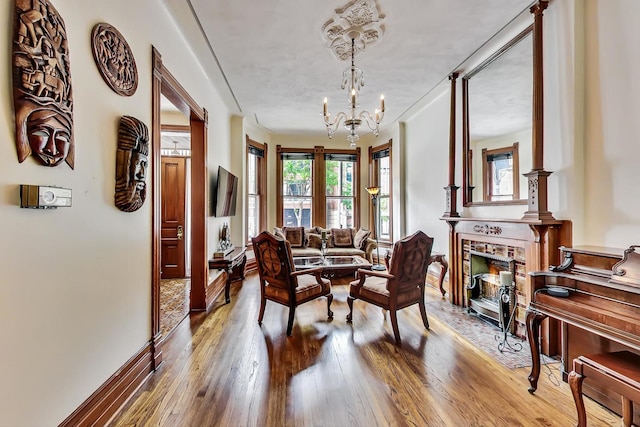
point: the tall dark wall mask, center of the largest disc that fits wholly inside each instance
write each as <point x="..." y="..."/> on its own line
<point x="131" y="164"/>
<point x="42" y="94"/>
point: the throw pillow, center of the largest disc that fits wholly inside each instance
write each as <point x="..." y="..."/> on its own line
<point x="315" y="240"/>
<point x="360" y="239"/>
<point x="341" y="237"/>
<point x="277" y="231"/>
<point x="295" y="236"/>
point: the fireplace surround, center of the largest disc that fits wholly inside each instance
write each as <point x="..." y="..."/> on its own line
<point x="522" y="245"/>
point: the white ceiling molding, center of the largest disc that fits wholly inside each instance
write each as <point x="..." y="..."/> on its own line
<point x="360" y="20"/>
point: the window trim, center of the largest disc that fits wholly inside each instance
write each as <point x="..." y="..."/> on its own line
<point x="318" y="185"/>
<point x="487" y="187"/>
<point x="374" y="180"/>
<point x="261" y="179"/>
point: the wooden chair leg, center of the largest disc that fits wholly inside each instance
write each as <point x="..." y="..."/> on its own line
<point x="423" y="312"/>
<point x="261" y="312"/>
<point x="329" y="300"/>
<point x="394" y="324"/>
<point x="627" y="412"/>
<point x="350" y="304"/>
<point x="575" y="382"/>
<point x="292" y="312"/>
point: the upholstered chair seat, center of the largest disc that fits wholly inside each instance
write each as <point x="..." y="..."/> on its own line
<point x="279" y="282"/>
<point x="402" y="285"/>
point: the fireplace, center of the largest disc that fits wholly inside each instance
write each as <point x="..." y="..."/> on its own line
<point x="481" y="249"/>
<point x="491" y="290"/>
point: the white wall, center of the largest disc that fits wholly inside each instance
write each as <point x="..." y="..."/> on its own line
<point x="591" y="129"/>
<point x="426" y="146"/>
<point x="75" y="287"/>
<point x="612" y="122"/>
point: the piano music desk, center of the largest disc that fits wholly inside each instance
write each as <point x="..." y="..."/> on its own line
<point x="619" y="371"/>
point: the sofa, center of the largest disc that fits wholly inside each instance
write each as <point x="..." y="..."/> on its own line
<point x="307" y="242"/>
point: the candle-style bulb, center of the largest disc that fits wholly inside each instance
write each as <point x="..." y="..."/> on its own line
<point x="382" y="103"/>
<point x="324" y="108"/>
<point x="353" y="98"/>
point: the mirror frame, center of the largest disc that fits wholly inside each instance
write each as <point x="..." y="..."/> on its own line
<point x="467" y="188"/>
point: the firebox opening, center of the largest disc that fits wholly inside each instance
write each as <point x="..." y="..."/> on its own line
<point x="490" y="299"/>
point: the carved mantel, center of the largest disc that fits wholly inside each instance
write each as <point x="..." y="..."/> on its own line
<point x="539" y="239"/>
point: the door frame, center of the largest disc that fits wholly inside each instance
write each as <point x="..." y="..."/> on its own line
<point x="163" y="83"/>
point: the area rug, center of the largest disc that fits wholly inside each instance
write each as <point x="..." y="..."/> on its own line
<point x="482" y="334"/>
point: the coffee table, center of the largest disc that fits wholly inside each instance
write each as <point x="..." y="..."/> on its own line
<point x="334" y="268"/>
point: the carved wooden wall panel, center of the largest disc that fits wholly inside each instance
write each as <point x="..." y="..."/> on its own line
<point x="43" y="100"/>
<point x="114" y="59"/>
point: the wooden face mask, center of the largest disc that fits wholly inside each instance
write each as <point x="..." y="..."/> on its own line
<point x="43" y="100"/>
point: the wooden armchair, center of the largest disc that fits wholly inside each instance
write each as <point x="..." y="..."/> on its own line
<point x="279" y="282"/>
<point x="401" y="285"/>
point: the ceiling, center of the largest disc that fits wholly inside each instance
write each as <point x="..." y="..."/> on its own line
<point x="277" y="65"/>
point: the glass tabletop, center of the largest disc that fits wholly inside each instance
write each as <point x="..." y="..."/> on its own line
<point x="330" y="261"/>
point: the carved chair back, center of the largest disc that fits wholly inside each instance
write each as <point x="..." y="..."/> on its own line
<point x="409" y="263"/>
<point x="275" y="262"/>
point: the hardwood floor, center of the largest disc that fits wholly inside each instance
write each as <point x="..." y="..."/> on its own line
<point x="225" y="370"/>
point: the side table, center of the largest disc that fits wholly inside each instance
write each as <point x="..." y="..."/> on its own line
<point x="233" y="264"/>
<point x="439" y="258"/>
<point x="435" y="257"/>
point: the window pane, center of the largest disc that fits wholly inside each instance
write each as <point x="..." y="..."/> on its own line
<point x="339" y="178"/>
<point x="253" y="209"/>
<point x="502" y="178"/>
<point x="252" y="174"/>
<point x="297" y="212"/>
<point x="383" y="175"/>
<point x="339" y="212"/>
<point x="384" y="218"/>
<point x="296" y="177"/>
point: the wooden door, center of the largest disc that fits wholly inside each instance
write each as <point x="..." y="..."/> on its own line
<point x="172" y="248"/>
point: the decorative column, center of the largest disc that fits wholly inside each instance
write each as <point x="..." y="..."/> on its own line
<point x="537" y="178"/>
<point x="452" y="189"/>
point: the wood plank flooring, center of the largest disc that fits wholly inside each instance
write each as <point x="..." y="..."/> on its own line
<point x="225" y="370"/>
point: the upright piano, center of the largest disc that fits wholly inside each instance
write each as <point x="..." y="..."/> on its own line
<point x="595" y="296"/>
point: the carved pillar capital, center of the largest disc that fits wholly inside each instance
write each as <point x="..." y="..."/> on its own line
<point x="452" y="197"/>
<point x="537" y="207"/>
<point x="539" y="7"/>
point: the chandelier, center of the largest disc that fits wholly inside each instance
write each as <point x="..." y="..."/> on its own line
<point x="353" y="79"/>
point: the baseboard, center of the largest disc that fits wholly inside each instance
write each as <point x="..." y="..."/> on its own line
<point x="214" y="289"/>
<point x="105" y="402"/>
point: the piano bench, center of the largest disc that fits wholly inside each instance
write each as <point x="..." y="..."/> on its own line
<point x="619" y="371"/>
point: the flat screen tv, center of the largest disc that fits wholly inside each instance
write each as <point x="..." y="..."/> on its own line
<point x="226" y="193"/>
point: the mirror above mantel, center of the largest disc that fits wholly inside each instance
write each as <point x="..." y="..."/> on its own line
<point x="497" y="125"/>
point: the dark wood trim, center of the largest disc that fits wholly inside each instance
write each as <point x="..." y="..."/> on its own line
<point x="451" y="189"/>
<point x="318" y="193"/>
<point x="199" y="211"/>
<point x="261" y="184"/>
<point x="175" y="128"/>
<point x="487" y="176"/>
<point x="214" y="289"/>
<point x="319" y="183"/>
<point x="373" y="180"/>
<point x="467" y="154"/>
<point x="111" y="395"/>
<point x="156" y="199"/>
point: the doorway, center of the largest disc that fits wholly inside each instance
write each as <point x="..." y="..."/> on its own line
<point x="175" y="236"/>
<point x="164" y="85"/>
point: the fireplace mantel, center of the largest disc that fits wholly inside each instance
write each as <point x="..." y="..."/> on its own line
<point x="539" y="241"/>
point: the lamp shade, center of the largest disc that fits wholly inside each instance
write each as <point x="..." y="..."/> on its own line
<point x="373" y="190"/>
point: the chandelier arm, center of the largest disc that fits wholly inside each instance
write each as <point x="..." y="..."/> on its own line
<point x="371" y="121"/>
<point x="332" y="126"/>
